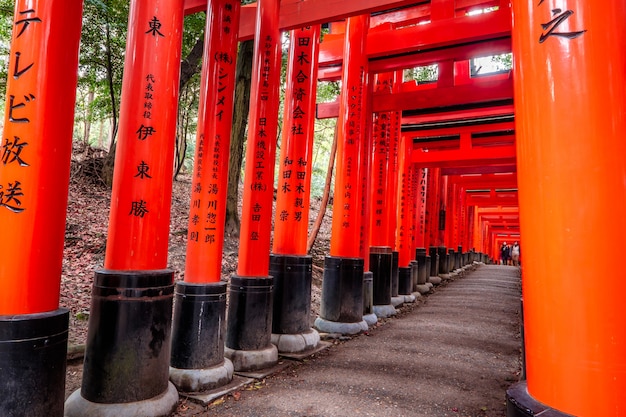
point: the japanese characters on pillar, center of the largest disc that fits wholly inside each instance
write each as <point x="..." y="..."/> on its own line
<point x="35" y="152"/>
<point x="405" y="198"/>
<point x="294" y="175"/>
<point x="380" y="175"/>
<point x="365" y="162"/>
<point x="205" y="240"/>
<point x="463" y="219"/>
<point x="432" y="206"/>
<point x="443" y="208"/>
<point x="451" y="231"/>
<point x="456" y="216"/>
<point x="346" y="223"/>
<point x="142" y="182"/>
<point x="471" y="229"/>
<point x="258" y="192"/>
<point x="572" y="99"/>
<point x="394" y="145"/>
<point x="414" y="185"/>
<point x="420" y="209"/>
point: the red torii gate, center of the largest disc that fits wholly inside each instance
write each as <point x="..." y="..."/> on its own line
<point x="599" y="171"/>
<point x="458" y="122"/>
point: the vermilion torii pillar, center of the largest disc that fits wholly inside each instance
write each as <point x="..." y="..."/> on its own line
<point x="570" y="101"/>
<point x="199" y="322"/>
<point x="432" y="214"/>
<point x="249" y="328"/>
<point x="290" y="265"/>
<point x="391" y="209"/>
<point x="441" y="237"/>
<point x="380" y="248"/>
<point x="35" y="155"/>
<point x="365" y="206"/>
<point x="419" y="232"/>
<point x="404" y="236"/>
<point x="341" y="309"/>
<point x="128" y="342"/>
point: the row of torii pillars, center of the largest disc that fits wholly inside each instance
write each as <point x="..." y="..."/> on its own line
<point x="569" y="170"/>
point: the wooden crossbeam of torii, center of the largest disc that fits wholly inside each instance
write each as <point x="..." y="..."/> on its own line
<point x="488" y="189"/>
<point x="403" y="44"/>
<point x="499" y="217"/>
<point x="492" y="197"/>
<point x="465" y="145"/>
<point x="298" y="13"/>
<point x="488" y="90"/>
<point x="498" y="181"/>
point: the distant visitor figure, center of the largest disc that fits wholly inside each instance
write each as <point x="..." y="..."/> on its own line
<point x="504" y="254"/>
<point x="515" y="252"/>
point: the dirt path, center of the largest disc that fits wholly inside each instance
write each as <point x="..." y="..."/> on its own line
<point x="454" y="354"/>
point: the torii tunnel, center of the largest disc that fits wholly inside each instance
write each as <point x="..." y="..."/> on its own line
<point x="429" y="178"/>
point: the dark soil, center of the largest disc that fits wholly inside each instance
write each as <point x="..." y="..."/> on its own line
<point x="85" y="243"/>
<point x="362" y="375"/>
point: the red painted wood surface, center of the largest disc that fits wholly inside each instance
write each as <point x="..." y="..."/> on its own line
<point x="291" y="219"/>
<point x="570" y="105"/>
<point x="207" y="212"/>
<point x="346" y="221"/>
<point x="406" y="200"/>
<point x="258" y="194"/>
<point x="142" y="182"/>
<point x="35" y="153"/>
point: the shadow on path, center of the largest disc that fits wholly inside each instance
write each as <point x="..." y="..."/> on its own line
<point x="453" y="354"/>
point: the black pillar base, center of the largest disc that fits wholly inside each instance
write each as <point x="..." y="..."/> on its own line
<point x="519" y="403"/>
<point x="368" y="299"/>
<point x="422" y="265"/>
<point x="250" y="313"/>
<point x="423" y="277"/>
<point x="199" y="325"/>
<point x="341" y="307"/>
<point x="395" y="289"/>
<point x="434" y="261"/>
<point x="406" y="280"/>
<point x="292" y="293"/>
<point x="249" y="325"/>
<point x="128" y="343"/>
<point x="33" y="351"/>
<point x="444" y="267"/>
<point x="291" y="319"/>
<point x="380" y="265"/>
<point x="368" y="293"/>
<point x="414" y="275"/>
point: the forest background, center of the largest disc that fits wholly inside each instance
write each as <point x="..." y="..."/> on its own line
<point x="100" y="74"/>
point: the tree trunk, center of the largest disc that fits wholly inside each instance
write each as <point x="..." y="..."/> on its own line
<point x="109" y="160"/>
<point x="190" y="66"/>
<point x="90" y="97"/>
<point x="182" y="128"/>
<point x="238" y="136"/>
<point x="324" y="203"/>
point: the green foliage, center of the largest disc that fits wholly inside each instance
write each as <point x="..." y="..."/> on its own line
<point x="503" y="61"/>
<point x="6" y="24"/>
<point x="324" y="135"/>
<point x="423" y="74"/>
<point x="491" y="64"/>
<point x="327" y="91"/>
<point x="101" y="60"/>
<point x="194" y="30"/>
